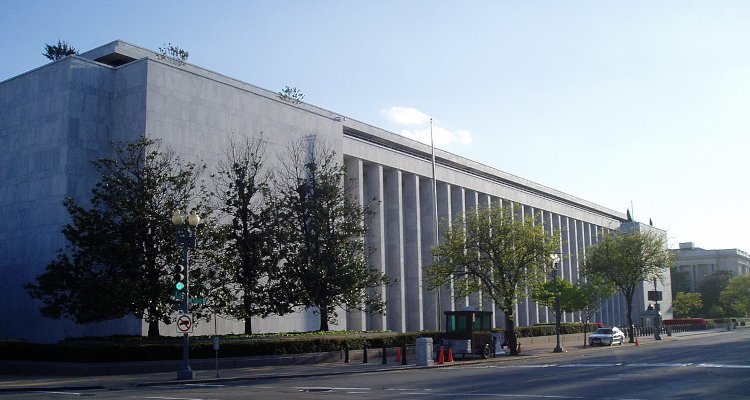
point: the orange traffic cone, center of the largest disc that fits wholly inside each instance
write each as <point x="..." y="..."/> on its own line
<point x="636" y="342"/>
<point x="519" y="347"/>
<point x="441" y="357"/>
<point x="450" y="354"/>
<point x="398" y="354"/>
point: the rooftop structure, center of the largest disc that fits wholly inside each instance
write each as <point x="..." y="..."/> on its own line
<point x="699" y="263"/>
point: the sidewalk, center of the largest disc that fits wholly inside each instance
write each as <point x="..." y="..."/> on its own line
<point x="266" y="367"/>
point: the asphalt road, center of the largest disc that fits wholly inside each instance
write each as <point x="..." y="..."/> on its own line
<point x="711" y="366"/>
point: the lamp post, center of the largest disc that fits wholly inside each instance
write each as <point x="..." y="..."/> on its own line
<point x="217" y="308"/>
<point x="657" y="317"/>
<point x="556" y="263"/>
<point x="185" y="228"/>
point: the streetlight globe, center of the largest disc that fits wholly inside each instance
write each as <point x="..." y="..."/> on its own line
<point x="555" y="258"/>
<point x="194" y="219"/>
<point x="178" y="218"/>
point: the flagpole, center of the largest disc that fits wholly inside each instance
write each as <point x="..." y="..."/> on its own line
<point x="435" y="222"/>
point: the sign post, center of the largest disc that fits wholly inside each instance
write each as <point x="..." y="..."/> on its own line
<point x="185" y="323"/>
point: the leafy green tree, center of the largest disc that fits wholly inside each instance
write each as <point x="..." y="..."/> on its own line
<point x="242" y="187"/>
<point x="322" y="232"/>
<point x="585" y="296"/>
<point x="627" y="259"/>
<point x="687" y="304"/>
<point x="291" y="95"/>
<point x="173" y="54"/>
<point x="58" y="51"/>
<point x="570" y="298"/>
<point x="121" y="249"/>
<point x="736" y="296"/>
<point x="710" y="289"/>
<point x="680" y="281"/>
<point x="593" y="292"/>
<point x="491" y="252"/>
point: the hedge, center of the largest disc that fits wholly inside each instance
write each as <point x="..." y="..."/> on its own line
<point x="135" y="348"/>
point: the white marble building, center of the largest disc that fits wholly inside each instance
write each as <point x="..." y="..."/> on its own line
<point x="58" y="117"/>
<point x="699" y="263"/>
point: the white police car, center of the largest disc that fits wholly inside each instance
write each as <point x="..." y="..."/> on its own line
<point x="607" y="336"/>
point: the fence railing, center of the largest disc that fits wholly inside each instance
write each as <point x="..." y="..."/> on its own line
<point x="666" y="329"/>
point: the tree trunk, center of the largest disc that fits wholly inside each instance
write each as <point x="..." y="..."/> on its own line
<point x="248" y="313"/>
<point x="631" y="335"/>
<point x="585" y="331"/>
<point x="323" y="319"/>
<point x="248" y="325"/>
<point x="510" y="334"/>
<point x="153" y="329"/>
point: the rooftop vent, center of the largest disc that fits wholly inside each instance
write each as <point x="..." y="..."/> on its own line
<point x="115" y="59"/>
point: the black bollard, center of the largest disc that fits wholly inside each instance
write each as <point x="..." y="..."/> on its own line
<point x="385" y="360"/>
<point x="364" y="353"/>
<point x="403" y="354"/>
<point x="346" y="353"/>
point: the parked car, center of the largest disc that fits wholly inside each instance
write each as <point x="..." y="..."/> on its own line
<point x="607" y="336"/>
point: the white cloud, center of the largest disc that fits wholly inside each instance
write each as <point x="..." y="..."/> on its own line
<point x="443" y="137"/>
<point x="411" y="116"/>
<point x="405" y="115"/>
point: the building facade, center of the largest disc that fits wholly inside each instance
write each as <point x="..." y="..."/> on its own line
<point x="699" y="263"/>
<point x="57" y="118"/>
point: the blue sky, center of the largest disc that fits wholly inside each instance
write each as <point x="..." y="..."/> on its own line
<point x="641" y="102"/>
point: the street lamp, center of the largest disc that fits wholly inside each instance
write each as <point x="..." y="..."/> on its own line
<point x="657" y="318"/>
<point x="556" y="264"/>
<point x="185" y="231"/>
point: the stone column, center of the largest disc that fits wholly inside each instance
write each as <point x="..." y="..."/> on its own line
<point x="471" y="201"/>
<point x="524" y="302"/>
<point x="574" y="225"/>
<point x="558" y="226"/>
<point x="547" y="315"/>
<point x="376" y="234"/>
<point x="445" y="216"/>
<point x="534" y="309"/>
<point x="484" y="201"/>
<point x="394" y="262"/>
<point x="458" y="208"/>
<point x="413" y="253"/>
<point x="429" y="236"/>
<point x="355" y="319"/>
<point x="499" y="315"/>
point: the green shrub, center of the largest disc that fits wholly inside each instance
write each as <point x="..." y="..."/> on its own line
<point x="135" y="348"/>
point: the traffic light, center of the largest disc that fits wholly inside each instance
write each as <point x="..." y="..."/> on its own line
<point x="179" y="277"/>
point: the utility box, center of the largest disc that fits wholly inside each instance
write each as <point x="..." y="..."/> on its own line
<point x="468" y="332"/>
<point x="424" y="352"/>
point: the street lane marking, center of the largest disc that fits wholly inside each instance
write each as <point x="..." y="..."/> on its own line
<point x="602" y="365"/>
<point x="524" y="396"/>
<point x="205" y="385"/>
<point x="172" y="398"/>
<point x="723" y="366"/>
<point x="588" y="365"/>
<point x="659" y="365"/>
<point x="329" y="388"/>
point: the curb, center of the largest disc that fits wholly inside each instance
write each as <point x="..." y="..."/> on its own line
<point x="529" y="354"/>
<point x="23" y="389"/>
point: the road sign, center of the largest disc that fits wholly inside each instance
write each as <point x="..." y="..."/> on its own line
<point x="654" y="295"/>
<point x="185" y="323"/>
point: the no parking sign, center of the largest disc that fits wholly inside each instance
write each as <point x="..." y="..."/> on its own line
<point x="185" y="323"/>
